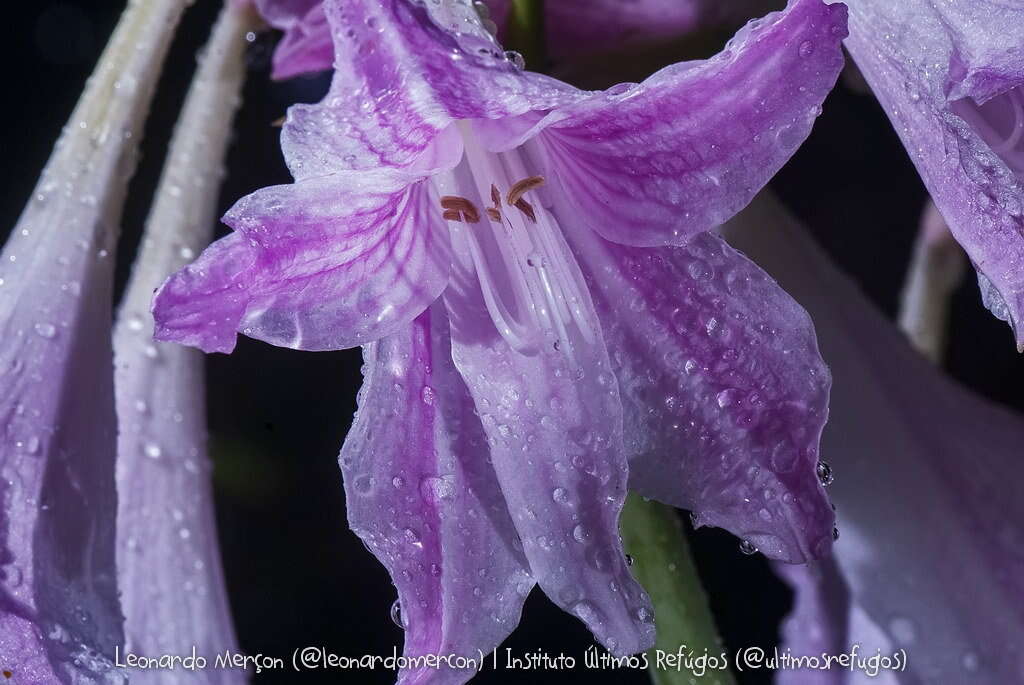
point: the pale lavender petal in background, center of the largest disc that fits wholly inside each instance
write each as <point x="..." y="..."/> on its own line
<point x="819" y="622"/>
<point x="951" y="78"/>
<point x="169" y="570"/>
<point x="926" y="480"/>
<point x="422" y="495"/>
<point x="60" y="619"/>
<point x="306" y="46"/>
<point x="724" y="392"/>
<point x="554" y="425"/>
<point x="658" y="162"/>
<point x="326" y="263"/>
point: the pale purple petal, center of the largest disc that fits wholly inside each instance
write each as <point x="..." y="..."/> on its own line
<point x="658" y="162"/>
<point x="306" y="46"/>
<point x="169" y="571"/>
<point x="723" y="389"/>
<point x="60" y="619"/>
<point x="818" y="623"/>
<point x="951" y="78"/>
<point x="555" y="432"/>
<point x="402" y="76"/>
<point x="422" y="495"/>
<point x="326" y="263"/>
<point x="928" y="498"/>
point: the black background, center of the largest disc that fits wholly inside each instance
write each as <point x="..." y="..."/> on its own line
<point x="296" y="575"/>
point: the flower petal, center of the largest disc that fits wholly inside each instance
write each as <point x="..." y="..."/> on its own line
<point x="169" y="570"/>
<point x="423" y="497"/>
<point x="951" y="78"/>
<point x="404" y="74"/>
<point x="818" y="623"/>
<point x="940" y="466"/>
<point x="327" y="263"/>
<point x="306" y="46"/>
<point x="60" y="619"/>
<point x="723" y="389"/>
<point x="555" y="433"/>
<point x="680" y="153"/>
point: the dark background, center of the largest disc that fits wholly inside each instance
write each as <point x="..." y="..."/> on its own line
<point x="296" y="575"/>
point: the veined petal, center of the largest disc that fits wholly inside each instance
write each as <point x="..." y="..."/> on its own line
<point x="60" y="618"/>
<point x="724" y="392"/>
<point x="951" y="78"/>
<point x="555" y="433"/>
<point x="938" y="462"/>
<point x="658" y="162"/>
<point x="404" y="72"/>
<point x="169" y="570"/>
<point x="422" y="495"/>
<point x="326" y="263"/>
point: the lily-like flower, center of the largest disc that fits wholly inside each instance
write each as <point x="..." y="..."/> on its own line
<point x="169" y="572"/>
<point x="543" y="311"/>
<point x="944" y="518"/>
<point x="951" y="78"/>
<point x="575" y="26"/>
<point x="60" y="619"/>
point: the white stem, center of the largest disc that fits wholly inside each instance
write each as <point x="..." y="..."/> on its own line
<point x="169" y="567"/>
<point x="936" y="269"/>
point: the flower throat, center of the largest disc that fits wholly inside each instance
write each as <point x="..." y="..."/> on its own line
<point x="531" y="285"/>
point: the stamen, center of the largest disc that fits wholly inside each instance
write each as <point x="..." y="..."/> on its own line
<point x="494" y="214"/>
<point x="527" y="209"/>
<point x="452" y="215"/>
<point x="495" y="196"/>
<point x="460" y="205"/>
<point x="520" y="188"/>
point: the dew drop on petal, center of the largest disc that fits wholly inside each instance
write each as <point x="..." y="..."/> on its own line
<point x="825" y="474"/>
<point x="396" y="614"/>
<point x="747" y="547"/>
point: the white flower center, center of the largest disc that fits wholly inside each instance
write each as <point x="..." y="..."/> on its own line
<point x="531" y="284"/>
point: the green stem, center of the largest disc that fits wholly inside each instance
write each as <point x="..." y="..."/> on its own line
<point x="655" y="539"/>
<point x="526" y="32"/>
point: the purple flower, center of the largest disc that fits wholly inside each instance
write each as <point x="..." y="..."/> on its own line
<point x="951" y="78"/>
<point x="543" y="311"/>
<point x="574" y="26"/>
<point x="60" y="619"/>
<point x="932" y="554"/>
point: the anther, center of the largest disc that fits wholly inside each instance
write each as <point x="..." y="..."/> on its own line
<point x="459" y="209"/>
<point x="494" y="214"/>
<point x="520" y="188"/>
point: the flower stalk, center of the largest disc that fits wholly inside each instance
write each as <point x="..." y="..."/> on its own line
<point x="163" y="468"/>
<point x="526" y="32"/>
<point x="664" y="566"/>
<point x="60" y="618"/>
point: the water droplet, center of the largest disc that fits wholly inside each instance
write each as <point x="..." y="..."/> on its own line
<point x="806" y="49"/>
<point x="428" y="395"/>
<point x="398" y="481"/>
<point x="747" y="547"/>
<point x="835" y="533"/>
<point x="516" y="59"/>
<point x="825" y="474"/>
<point x="396" y="614"/>
<point x="46" y="330"/>
<point x="629" y="560"/>
<point x="152" y="450"/>
<point x="903" y="630"/>
<point x="581" y="534"/>
<point x="560" y="495"/>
